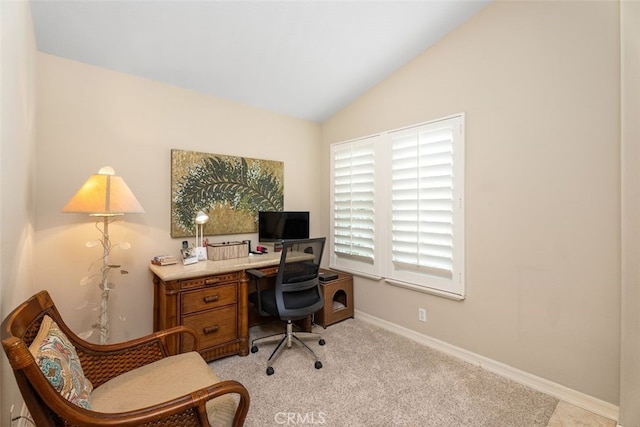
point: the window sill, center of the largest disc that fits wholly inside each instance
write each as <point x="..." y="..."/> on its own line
<point x="424" y="290"/>
<point x="355" y="273"/>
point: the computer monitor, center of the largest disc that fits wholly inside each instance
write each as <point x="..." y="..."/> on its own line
<point x="284" y="225"/>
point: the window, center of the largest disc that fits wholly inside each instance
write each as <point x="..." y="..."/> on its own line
<point x="398" y="206"/>
<point x="426" y="221"/>
<point x="353" y="225"/>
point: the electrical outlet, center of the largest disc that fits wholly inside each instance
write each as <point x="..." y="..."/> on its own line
<point x="422" y="314"/>
<point x="25" y="417"/>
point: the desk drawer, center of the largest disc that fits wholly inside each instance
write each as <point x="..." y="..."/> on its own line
<point x="209" y="280"/>
<point x="208" y="298"/>
<point x="214" y="327"/>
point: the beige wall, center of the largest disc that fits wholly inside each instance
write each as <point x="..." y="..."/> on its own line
<point x="539" y="84"/>
<point x="630" y="342"/>
<point x="17" y="172"/>
<point x="89" y="117"/>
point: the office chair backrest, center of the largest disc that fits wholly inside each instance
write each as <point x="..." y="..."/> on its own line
<point x="297" y="285"/>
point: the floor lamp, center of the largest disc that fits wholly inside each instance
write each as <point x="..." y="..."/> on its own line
<point x="106" y="196"/>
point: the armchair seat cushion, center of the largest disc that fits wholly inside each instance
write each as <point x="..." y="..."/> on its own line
<point x="161" y="381"/>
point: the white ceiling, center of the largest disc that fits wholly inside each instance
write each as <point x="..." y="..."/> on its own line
<point x="305" y="59"/>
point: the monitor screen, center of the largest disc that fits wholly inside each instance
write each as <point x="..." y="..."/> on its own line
<point x="275" y="226"/>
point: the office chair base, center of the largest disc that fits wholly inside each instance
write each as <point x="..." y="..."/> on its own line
<point x="289" y="338"/>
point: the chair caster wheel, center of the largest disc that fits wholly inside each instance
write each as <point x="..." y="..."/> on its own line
<point x="318" y="364"/>
<point x="270" y="370"/>
<point x="254" y="349"/>
<point x="321" y="342"/>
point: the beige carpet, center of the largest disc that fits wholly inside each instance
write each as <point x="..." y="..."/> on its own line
<point x="373" y="377"/>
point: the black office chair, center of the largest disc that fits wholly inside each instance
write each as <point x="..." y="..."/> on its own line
<point x="296" y="294"/>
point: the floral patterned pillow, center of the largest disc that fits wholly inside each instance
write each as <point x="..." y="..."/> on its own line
<point x="59" y="362"/>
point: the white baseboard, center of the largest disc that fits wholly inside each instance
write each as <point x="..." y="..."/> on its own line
<point x="558" y="391"/>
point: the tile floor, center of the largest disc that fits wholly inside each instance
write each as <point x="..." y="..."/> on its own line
<point x="567" y="415"/>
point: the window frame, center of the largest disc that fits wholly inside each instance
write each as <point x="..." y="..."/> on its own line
<point x="382" y="266"/>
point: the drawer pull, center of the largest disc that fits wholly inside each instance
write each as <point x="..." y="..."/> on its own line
<point x="210" y="298"/>
<point x="210" y="329"/>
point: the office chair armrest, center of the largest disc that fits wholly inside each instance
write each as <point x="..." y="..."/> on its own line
<point x="256" y="273"/>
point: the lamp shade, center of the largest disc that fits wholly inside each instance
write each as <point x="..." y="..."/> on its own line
<point x="104" y="194"/>
<point x="202" y="218"/>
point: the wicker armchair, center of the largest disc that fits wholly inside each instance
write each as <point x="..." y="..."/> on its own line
<point x="102" y="364"/>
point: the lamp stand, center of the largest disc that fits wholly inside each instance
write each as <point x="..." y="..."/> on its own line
<point x="103" y="319"/>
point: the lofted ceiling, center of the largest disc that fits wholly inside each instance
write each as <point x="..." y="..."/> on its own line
<point x="305" y="58"/>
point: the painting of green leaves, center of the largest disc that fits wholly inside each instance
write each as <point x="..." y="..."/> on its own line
<point x="231" y="190"/>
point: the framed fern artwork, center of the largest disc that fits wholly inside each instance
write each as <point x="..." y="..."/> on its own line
<point x="231" y="190"/>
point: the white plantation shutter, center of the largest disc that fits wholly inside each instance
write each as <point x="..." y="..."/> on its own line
<point x="354" y="199"/>
<point x="422" y="200"/>
<point x="397" y="207"/>
<point x="426" y="215"/>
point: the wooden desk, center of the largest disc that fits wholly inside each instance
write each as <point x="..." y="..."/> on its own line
<point x="212" y="298"/>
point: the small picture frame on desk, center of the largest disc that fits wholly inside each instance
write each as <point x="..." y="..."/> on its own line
<point x="188" y="256"/>
<point x="200" y="253"/>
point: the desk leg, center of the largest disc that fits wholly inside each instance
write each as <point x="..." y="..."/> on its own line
<point x="243" y="314"/>
<point x="156" y="303"/>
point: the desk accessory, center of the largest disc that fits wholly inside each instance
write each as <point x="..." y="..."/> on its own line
<point x="188" y="256"/>
<point x="227" y="250"/>
<point x="327" y="276"/>
<point x="200" y="245"/>
<point x="164" y="260"/>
